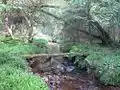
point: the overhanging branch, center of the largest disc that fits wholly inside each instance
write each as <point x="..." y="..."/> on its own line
<point x="103" y="34"/>
<point x="58" y="18"/>
<point x="52" y="15"/>
<point x="83" y="31"/>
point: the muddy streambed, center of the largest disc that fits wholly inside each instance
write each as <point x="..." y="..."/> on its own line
<point x="63" y="76"/>
<point x="73" y="81"/>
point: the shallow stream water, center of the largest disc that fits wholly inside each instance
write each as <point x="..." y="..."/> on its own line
<point x="73" y="81"/>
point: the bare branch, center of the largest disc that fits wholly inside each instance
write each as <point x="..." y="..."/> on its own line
<point x="50" y="14"/>
<point x="50" y="6"/>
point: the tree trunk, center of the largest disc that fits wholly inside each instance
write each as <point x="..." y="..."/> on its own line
<point x="104" y="36"/>
<point x="4" y="1"/>
<point x="30" y="34"/>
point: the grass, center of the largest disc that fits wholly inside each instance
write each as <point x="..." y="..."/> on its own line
<point x="13" y="79"/>
<point x="105" y="60"/>
<point x="13" y="67"/>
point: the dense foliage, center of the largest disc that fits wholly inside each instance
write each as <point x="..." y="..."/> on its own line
<point x="81" y="14"/>
<point x="14" y="69"/>
<point x="104" y="11"/>
<point x="105" y="62"/>
<point x="97" y="19"/>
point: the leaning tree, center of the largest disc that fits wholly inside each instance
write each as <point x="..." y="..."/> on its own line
<point x="100" y="17"/>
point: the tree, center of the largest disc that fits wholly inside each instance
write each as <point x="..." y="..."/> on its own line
<point x="98" y="14"/>
<point x="34" y="13"/>
<point x="4" y="1"/>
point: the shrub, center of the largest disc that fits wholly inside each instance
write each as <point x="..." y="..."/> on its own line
<point x="40" y="45"/>
<point x="109" y="69"/>
<point x="66" y="47"/>
<point x="40" y="41"/>
<point x="106" y="62"/>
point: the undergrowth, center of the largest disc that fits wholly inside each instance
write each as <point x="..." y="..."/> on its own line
<point x="14" y="69"/>
<point x="106" y="61"/>
<point x="14" y="79"/>
<point x="41" y="45"/>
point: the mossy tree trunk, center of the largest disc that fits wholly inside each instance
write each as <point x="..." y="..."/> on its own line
<point x="4" y="1"/>
<point x="104" y="36"/>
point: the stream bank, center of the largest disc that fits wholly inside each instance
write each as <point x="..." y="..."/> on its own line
<point x="64" y="76"/>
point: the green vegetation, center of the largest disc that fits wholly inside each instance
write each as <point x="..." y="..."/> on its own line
<point x="13" y="67"/>
<point x="97" y="21"/>
<point x="41" y="45"/>
<point x="13" y="79"/>
<point x="106" y="61"/>
<point x="102" y="18"/>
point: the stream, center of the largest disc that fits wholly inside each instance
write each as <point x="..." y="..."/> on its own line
<point x="61" y="74"/>
<point x="65" y="77"/>
<point x="73" y="81"/>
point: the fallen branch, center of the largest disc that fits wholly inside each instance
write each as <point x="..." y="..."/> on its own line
<point x="56" y="55"/>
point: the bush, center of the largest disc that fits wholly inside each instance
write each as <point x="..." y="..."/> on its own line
<point x="106" y="62"/>
<point x="109" y="69"/>
<point x="40" y="45"/>
<point x="66" y="47"/>
<point x="40" y="41"/>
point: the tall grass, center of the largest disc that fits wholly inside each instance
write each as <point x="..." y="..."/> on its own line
<point x="13" y="67"/>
